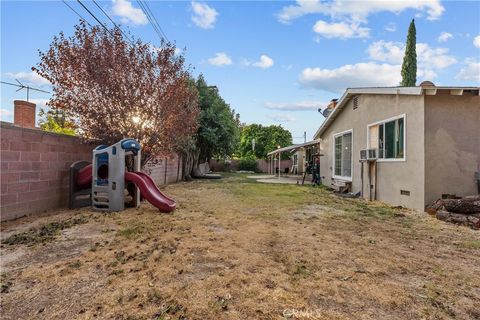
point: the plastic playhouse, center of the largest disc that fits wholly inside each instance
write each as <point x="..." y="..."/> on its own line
<point x="114" y="179"/>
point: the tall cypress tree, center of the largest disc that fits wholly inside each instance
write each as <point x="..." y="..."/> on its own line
<point x="409" y="66"/>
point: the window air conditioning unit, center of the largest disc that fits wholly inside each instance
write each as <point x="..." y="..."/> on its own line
<point x="368" y="155"/>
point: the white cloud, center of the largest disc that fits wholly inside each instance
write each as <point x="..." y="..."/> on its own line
<point x="368" y="74"/>
<point x="427" y="57"/>
<point x="282" y="117"/>
<point x="265" y="62"/>
<point x="128" y="13"/>
<point x="386" y="51"/>
<point x="294" y="106"/>
<point x="358" y="10"/>
<point x="471" y="71"/>
<point x="445" y="36"/>
<point x="340" y="30"/>
<point x="220" y="59"/>
<point x="31" y="78"/>
<point x="203" y="16"/>
<point x="6" y="115"/>
<point x="391" y="27"/>
<point x="434" y="57"/>
<point x="476" y="41"/>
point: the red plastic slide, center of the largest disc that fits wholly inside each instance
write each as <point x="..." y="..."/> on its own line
<point x="147" y="187"/>
<point x="149" y="191"/>
<point x="84" y="177"/>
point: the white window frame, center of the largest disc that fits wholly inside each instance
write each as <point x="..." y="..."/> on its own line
<point x="404" y="116"/>
<point x="333" y="158"/>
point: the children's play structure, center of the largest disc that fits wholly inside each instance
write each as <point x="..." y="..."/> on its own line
<point x="114" y="179"/>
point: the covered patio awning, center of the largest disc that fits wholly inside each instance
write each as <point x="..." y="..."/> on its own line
<point x="294" y="147"/>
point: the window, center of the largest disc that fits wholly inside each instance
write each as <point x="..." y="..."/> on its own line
<point x="388" y="137"/>
<point x="343" y="155"/>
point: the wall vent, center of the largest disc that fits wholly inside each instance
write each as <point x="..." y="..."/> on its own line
<point x="404" y="192"/>
<point x="355" y="102"/>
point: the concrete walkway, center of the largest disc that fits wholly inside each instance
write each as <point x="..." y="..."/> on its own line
<point x="293" y="179"/>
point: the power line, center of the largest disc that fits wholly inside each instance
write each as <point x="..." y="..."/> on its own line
<point x="94" y="17"/>
<point x="155" y="19"/>
<point x="78" y="14"/>
<point x="151" y="20"/>
<point x="99" y="7"/>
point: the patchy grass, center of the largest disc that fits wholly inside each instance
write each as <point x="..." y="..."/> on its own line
<point x="131" y="232"/>
<point x="472" y="244"/>
<point x="238" y="249"/>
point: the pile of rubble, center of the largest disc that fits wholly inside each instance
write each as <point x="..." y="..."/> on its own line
<point x="465" y="211"/>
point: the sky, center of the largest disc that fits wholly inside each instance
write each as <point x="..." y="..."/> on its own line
<point x="274" y="62"/>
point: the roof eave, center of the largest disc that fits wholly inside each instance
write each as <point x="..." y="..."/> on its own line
<point x="354" y="91"/>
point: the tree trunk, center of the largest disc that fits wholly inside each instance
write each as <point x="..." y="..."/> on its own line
<point x="468" y="205"/>
<point x="471" y="220"/>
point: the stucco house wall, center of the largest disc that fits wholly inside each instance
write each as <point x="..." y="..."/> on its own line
<point x="392" y="176"/>
<point x="452" y="144"/>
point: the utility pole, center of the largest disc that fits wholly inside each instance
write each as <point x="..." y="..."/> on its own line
<point x="304" y="136"/>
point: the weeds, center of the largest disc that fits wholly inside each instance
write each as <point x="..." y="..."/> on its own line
<point x="131" y="233"/>
<point x="44" y="233"/>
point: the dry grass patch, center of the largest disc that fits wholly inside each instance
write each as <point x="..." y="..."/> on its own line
<point x="237" y="249"/>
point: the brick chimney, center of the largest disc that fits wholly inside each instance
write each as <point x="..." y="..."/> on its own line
<point x="24" y="114"/>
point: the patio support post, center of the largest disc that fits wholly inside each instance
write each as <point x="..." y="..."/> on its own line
<point x="279" y="164"/>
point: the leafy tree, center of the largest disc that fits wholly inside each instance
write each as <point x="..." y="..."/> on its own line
<point x="217" y="134"/>
<point x="56" y="121"/>
<point x="267" y="139"/>
<point x="116" y="90"/>
<point x="409" y="66"/>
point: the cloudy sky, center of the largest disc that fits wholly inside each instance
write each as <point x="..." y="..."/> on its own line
<point x="274" y="62"/>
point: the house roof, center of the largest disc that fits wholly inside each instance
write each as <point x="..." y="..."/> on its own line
<point x="294" y="147"/>
<point x="350" y="92"/>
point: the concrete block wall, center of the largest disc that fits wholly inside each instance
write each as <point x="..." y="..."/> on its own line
<point x="34" y="169"/>
<point x="165" y="170"/>
<point x="263" y="165"/>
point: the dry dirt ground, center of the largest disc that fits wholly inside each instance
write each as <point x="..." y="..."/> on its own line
<point x="238" y="249"/>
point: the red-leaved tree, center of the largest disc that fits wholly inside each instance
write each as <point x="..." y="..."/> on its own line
<point x="115" y="89"/>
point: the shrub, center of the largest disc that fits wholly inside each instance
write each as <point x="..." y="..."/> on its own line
<point x="248" y="164"/>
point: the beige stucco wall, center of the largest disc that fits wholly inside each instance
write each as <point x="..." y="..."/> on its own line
<point x="392" y="176"/>
<point x="452" y="145"/>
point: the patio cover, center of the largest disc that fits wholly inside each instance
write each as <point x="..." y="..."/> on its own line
<point x="294" y="147"/>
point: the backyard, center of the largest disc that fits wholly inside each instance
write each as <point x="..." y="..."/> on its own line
<point x="239" y="249"/>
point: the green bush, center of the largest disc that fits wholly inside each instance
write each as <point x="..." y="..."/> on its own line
<point x="248" y="164"/>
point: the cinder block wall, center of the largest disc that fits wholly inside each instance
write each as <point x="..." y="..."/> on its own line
<point x="35" y="169"/>
<point x="165" y="170"/>
<point x="263" y="165"/>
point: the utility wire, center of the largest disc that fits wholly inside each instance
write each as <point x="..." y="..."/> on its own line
<point x="154" y="18"/>
<point x="151" y="20"/>
<point x="111" y="20"/>
<point x="78" y="14"/>
<point x="94" y="17"/>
